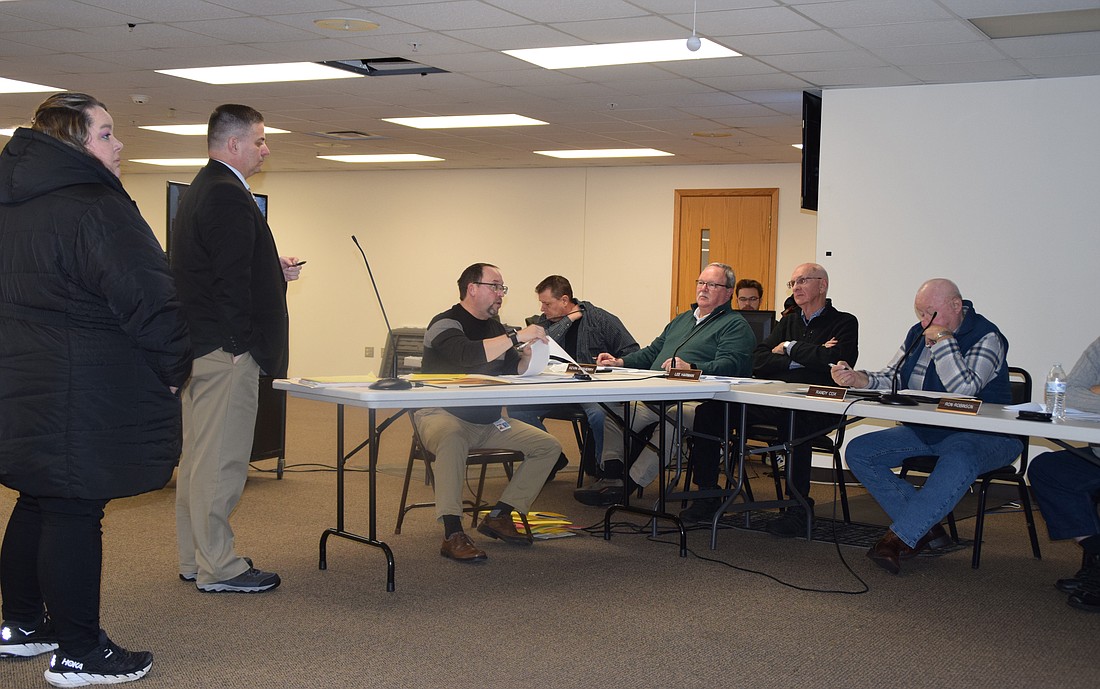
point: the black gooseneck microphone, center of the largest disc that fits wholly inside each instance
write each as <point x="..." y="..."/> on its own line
<point x="698" y="327"/>
<point x="893" y="398"/>
<point x="393" y="382"/>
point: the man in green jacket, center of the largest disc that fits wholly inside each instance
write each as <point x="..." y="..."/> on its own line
<point x="712" y="338"/>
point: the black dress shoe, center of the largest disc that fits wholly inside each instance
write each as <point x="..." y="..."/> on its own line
<point x="791" y="523"/>
<point x="700" y="511"/>
<point x="935" y="538"/>
<point x="1090" y="567"/>
<point x="1087" y="596"/>
<point x="887" y="552"/>
<point x="602" y="493"/>
<point x="562" y="462"/>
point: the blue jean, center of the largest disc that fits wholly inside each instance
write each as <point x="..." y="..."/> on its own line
<point x="1066" y="488"/>
<point x="962" y="457"/>
<point x="531" y="414"/>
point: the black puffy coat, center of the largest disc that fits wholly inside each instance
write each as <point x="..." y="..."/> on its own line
<point x="91" y="332"/>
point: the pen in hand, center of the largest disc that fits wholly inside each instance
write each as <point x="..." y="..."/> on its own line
<point x="299" y="263"/>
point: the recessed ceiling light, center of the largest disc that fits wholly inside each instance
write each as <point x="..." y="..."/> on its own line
<point x="15" y="86"/>
<point x="171" y="162"/>
<point x="382" y="158"/>
<point x="637" y="52"/>
<point x="261" y="74"/>
<point x="606" y="153"/>
<point x="459" y="121"/>
<point x="197" y="129"/>
<point x="341" y="24"/>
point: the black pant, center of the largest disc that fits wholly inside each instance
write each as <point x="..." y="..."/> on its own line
<point x="52" y="559"/>
<point x="705" y="454"/>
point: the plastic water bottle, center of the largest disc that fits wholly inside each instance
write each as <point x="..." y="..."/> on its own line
<point x="1055" y="401"/>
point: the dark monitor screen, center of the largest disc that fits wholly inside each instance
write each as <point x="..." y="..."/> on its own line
<point x="175" y="193"/>
<point x="761" y="323"/>
<point x="811" y="148"/>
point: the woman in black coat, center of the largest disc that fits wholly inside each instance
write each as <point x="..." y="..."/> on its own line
<point x="93" y="347"/>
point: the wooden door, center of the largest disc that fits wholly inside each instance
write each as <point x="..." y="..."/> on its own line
<point x="733" y="226"/>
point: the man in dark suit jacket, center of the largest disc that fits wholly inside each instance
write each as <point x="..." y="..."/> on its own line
<point x="232" y="283"/>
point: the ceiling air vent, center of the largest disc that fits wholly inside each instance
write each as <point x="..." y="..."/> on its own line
<point x="383" y="67"/>
<point x="350" y="135"/>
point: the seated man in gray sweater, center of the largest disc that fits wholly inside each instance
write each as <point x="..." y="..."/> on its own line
<point x="583" y="330"/>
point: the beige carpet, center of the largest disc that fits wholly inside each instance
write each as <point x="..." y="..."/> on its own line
<point x="575" y="612"/>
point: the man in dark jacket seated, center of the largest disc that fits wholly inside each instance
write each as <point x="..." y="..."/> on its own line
<point x="801" y="349"/>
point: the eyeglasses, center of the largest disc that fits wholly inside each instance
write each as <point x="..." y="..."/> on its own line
<point x="748" y="300"/>
<point x="711" y="285"/>
<point x="499" y="289"/>
<point x="800" y="281"/>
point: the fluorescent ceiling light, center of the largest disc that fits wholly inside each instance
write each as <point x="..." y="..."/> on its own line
<point x="171" y="162"/>
<point x="1039" y="23"/>
<point x="15" y="86"/>
<point x="7" y="132"/>
<point x="382" y="158"/>
<point x="197" y="129"/>
<point x="606" y="153"/>
<point x="261" y="74"/>
<point x="798" y="146"/>
<point x="458" y="121"/>
<point x="620" y="53"/>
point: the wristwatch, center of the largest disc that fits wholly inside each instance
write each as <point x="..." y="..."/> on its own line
<point x="514" y="337"/>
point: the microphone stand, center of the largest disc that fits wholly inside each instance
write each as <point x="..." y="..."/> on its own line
<point x="893" y="398"/>
<point x="393" y="382"/>
<point x="695" y="331"/>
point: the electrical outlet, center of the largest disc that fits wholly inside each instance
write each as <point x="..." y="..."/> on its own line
<point x="368" y="352"/>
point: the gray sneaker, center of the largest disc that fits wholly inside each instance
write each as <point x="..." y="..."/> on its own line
<point x="193" y="576"/>
<point x="251" y="580"/>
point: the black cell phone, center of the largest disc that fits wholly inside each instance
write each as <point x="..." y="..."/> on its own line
<point x="1033" y="415"/>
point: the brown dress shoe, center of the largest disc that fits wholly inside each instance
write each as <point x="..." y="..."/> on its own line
<point x="935" y="538"/>
<point x="460" y="547"/>
<point x="504" y="528"/>
<point x="887" y="552"/>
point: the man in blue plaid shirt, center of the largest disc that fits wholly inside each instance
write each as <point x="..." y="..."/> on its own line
<point x="963" y="353"/>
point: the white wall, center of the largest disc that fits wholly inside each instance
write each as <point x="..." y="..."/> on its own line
<point x="992" y="185"/>
<point x="609" y="230"/>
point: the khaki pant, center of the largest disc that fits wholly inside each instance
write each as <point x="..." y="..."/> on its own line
<point x="219" y="420"/>
<point x="450" y="439"/>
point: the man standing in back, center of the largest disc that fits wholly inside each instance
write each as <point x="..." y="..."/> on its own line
<point x="232" y="283"/>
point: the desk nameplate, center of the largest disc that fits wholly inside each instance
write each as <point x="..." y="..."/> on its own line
<point x="827" y="392"/>
<point x="955" y="405"/>
<point x="684" y="373"/>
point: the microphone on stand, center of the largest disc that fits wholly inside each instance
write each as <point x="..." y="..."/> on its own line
<point x="698" y="327"/>
<point x="393" y="382"/>
<point x="893" y="398"/>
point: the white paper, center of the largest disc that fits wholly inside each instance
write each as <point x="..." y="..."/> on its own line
<point x="540" y="356"/>
<point x="556" y="350"/>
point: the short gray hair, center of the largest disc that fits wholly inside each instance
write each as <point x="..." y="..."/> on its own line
<point x="731" y="278"/>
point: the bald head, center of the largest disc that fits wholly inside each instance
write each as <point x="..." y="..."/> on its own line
<point x="939" y="296"/>
<point x="809" y="286"/>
